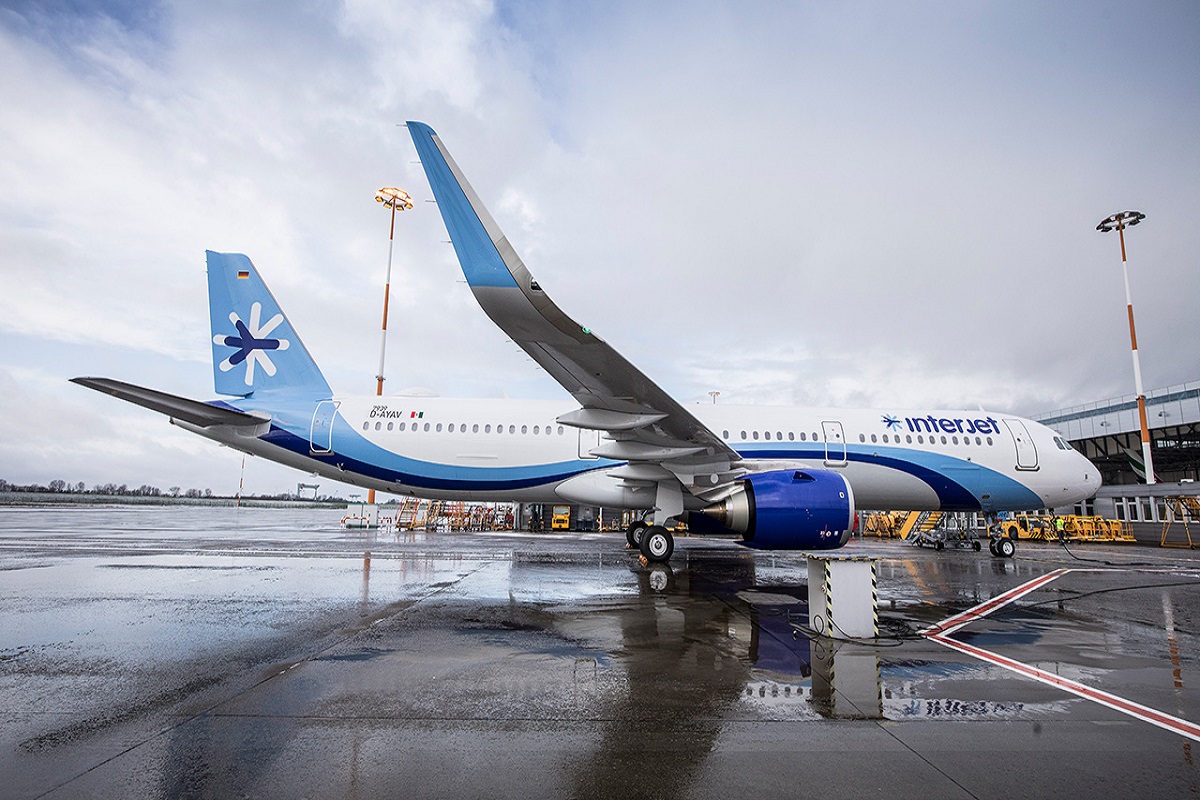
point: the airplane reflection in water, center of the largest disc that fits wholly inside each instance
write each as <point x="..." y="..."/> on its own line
<point x="735" y="618"/>
<point x="629" y="679"/>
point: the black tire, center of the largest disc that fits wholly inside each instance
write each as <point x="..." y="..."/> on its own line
<point x="992" y="547"/>
<point x="1006" y="548"/>
<point x="939" y="546"/>
<point x="977" y="545"/>
<point x="657" y="544"/>
<point x="633" y="534"/>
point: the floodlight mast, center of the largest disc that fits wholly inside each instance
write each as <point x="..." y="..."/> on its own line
<point x="1119" y="222"/>
<point x="396" y="200"/>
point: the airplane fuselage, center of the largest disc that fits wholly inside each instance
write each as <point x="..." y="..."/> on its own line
<point x="515" y="450"/>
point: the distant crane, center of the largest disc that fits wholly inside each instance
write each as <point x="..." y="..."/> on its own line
<point x="300" y="487"/>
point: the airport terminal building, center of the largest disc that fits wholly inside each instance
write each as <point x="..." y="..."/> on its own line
<point x="1109" y="434"/>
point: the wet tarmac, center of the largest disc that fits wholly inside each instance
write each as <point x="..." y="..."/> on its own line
<point x="184" y="652"/>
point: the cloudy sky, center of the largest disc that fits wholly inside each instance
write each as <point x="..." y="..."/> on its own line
<point x="862" y="204"/>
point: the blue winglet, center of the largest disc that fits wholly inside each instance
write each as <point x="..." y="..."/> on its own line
<point x="254" y="346"/>
<point x="473" y="232"/>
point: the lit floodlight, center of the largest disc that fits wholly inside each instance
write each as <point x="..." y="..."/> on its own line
<point x="393" y="198"/>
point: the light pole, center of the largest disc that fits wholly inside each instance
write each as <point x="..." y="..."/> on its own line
<point x="1119" y="222"/>
<point x="396" y="200"/>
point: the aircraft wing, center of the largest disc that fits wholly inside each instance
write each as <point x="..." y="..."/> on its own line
<point x="665" y="444"/>
<point x="202" y="415"/>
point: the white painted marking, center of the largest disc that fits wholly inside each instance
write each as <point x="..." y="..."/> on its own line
<point x="940" y="633"/>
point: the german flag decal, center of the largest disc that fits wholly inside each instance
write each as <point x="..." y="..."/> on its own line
<point x="243" y="273"/>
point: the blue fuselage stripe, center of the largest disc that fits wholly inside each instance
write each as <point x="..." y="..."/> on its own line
<point x="352" y="453"/>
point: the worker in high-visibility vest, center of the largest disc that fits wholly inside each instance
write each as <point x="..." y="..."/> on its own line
<point x="1061" y="527"/>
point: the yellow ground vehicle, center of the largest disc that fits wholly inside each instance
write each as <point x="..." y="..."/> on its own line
<point x="1075" y="528"/>
<point x="560" y="518"/>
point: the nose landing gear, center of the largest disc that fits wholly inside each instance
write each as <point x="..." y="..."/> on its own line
<point x="1002" y="547"/>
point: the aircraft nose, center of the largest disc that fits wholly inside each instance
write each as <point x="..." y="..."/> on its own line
<point x="1091" y="475"/>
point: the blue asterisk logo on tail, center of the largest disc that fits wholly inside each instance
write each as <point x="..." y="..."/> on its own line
<point x="252" y="342"/>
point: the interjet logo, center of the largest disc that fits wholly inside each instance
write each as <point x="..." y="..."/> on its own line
<point x="932" y="424"/>
<point x="252" y="342"/>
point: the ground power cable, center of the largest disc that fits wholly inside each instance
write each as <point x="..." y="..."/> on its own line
<point x="1066" y="549"/>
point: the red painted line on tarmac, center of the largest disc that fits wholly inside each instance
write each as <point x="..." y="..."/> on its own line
<point x="1144" y="713"/>
<point x="951" y="624"/>
<point x="940" y="633"/>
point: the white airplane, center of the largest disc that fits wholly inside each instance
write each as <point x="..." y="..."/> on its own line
<point x="784" y="478"/>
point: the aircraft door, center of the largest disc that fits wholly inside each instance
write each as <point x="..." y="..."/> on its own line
<point x="320" y="435"/>
<point x="1026" y="450"/>
<point x="835" y="444"/>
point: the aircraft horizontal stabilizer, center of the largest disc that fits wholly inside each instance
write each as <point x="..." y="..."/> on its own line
<point x="194" y="412"/>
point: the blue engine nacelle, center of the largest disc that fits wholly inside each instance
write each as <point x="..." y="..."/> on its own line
<point x="810" y="509"/>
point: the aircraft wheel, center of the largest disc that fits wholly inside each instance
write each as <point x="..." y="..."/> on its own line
<point x="976" y="545"/>
<point x="992" y="547"/>
<point x="1006" y="548"/>
<point x="633" y="534"/>
<point x="657" y="544"/>
<point x="940" y="546"/>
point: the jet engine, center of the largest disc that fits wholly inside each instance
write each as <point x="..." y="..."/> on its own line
<point x="810" y="509"/>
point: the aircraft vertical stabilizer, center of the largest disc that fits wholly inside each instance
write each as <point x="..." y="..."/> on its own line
<point x="254" y="345"/>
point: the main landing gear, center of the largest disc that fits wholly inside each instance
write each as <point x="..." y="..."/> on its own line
<point x="654" y="542"/>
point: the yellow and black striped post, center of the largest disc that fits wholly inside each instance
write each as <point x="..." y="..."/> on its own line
<point x="847" y="584"/>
